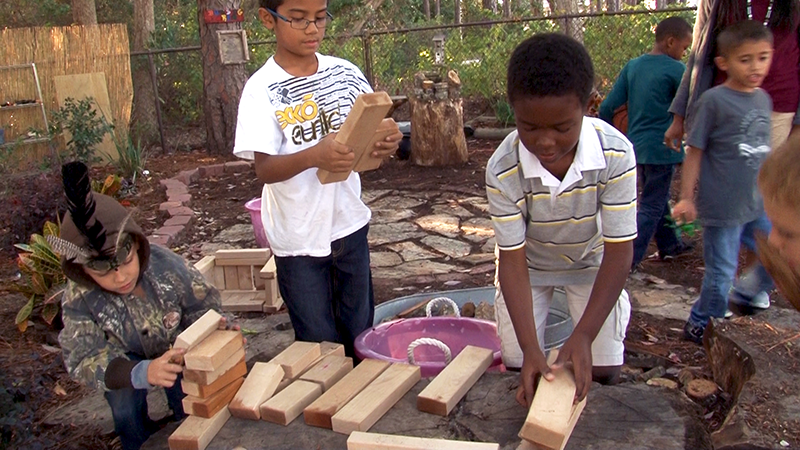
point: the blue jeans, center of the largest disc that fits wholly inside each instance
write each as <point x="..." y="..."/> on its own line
<point x="721" y="258"/>
<point x="653" y="210"/>
<point x="129" y="408"/>
<point x="329" y="298"/>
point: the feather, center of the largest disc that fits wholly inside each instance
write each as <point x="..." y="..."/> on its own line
<point x="68" y="250"/>
<point x="81" y="204"/>
<point x="121" y="233"/>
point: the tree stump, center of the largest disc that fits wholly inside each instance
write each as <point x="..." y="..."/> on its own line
<point x="437" y="121"/>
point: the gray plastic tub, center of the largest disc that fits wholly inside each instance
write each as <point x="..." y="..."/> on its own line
<point x="559" y="322"/>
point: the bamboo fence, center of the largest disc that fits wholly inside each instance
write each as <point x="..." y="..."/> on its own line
<point x="60" y="51"/>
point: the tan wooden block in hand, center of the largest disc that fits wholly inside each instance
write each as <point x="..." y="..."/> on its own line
<point x="548" y="420"/>
<point x="202" y="377"/>
<point x="366" y="162"/>
<point x="214" y="350"/>
<point x="199" y="330"/>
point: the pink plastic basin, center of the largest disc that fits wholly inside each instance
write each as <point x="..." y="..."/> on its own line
<point x="254" y="208"/>
<point x="389" y="341"/>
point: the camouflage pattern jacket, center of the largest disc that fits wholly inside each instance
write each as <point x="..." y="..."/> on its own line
<point x="100" y="326"/>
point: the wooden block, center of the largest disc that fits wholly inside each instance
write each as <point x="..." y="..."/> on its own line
<point x="241" y="301"/>
<point x="199" y="330"/>
<point x="551" y="410"/>
<point x="261" y="254"/>
<point x="195" y="433"/>
<point x="219" y="277"/>
<point x="326" y="349"/>
<point x="272" y="293"/>
<point x="245" y="277"/>
<point x="206" y="267"/>
<point x="329" y="371"/>
<point x="320" y="412"/>
<point x="206" y="390"/>
<point x="286" y="405"/>
<point x="359" y="440"/>
<point x="376" y="399"/>
<point x="297" y="357"/>
<point x="258" y="282"/>
<point x="269" y="269"/>
<point x="452" y="383"/>
<point x="231" y="277"/>
<point x="576" y="414"/>
<point x="209" y="354"/>
<point x="274" y="307"/>
<point x="259" y="386"/>
<point x="207" y="407"/>
<point x="205" y="378"/>
<point x="366" y="161"/>
<point x="357" y="130"/>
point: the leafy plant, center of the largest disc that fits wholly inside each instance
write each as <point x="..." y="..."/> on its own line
<point x="132" y="158"/>
<point x="43" y="278"/>
<point x="504" y="112"/>
<point x="87" y="128"/>
<point x="110" y="186"/>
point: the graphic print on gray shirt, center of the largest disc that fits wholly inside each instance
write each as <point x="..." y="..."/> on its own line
<point x="732" y="128"/>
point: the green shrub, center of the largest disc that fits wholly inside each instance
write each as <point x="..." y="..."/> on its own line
<point x="43" y="278"/>
<point x="132" y="157"/>
<point x="86" y="126"/>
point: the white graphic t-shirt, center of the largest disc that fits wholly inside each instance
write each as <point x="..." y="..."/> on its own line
<point x="280" y="114"/>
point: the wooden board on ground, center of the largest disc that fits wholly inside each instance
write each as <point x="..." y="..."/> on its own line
<point x="376" y="399"/>
<point x="258" y="387"/>
<point x="296" y="357"/>
<point x="328" y="371"/>
<point x="326" y="349"/>
<point x="214" y="350"/>
<point x="206" y="390"/>
<point x="366" y="162"/>
<point x="289" y="403"/>
<point x="198" y="331"/>
<point x="82" y="86"/>
<point x="360" y="440"/>
<point x="358" y="129"/>
<point x="202" y="377"/>
<point x="195" y="433"/>
<point x="243" y="301"/>
<point x="551" y="411"/>
<point x="319" y="412"/>
<point x="452" y="383"/>
<point x="242" y="257"/>
<point x="207" y="407"/>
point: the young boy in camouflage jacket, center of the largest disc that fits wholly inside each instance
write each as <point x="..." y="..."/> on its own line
<point x="125" y="303"/>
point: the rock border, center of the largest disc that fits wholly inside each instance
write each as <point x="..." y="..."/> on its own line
<point x="179" y="200"/>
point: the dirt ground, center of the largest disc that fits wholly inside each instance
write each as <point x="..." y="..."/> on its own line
<point x="32" y="378"/>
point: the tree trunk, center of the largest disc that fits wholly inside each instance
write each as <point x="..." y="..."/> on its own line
<point x="490" y="5"/>
<point x="457" y="12"/>
<point x="506" y="9"/>
<point x="437" y="123"/>
<point x="426" y="5"/>
<point x="222" y="83"/>
<point x="438" y="8"/>
<point x="572" y="26"/>
<point x="144" y="125"/>
<point x="537" y="8"/>
<point x="612" y="5"/>
<point x="84" y="12"/>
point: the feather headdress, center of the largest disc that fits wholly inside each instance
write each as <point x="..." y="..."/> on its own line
<point x="81" y="205"/>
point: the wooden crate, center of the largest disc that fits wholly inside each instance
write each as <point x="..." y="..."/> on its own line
<point x="245" y="278"/>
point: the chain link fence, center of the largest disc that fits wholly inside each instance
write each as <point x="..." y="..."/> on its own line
<point x="479" y="52"/>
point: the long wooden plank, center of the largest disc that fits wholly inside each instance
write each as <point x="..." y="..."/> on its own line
<point x="551" y="410"/>
<point x="272" y="301"/>
<point x="214" y="350"/>
<point x="245" y="273"/>
<point x="376" y="399"/>
<point x="243" y="301"/>
<point x="207" y="407"/>
<point x="231" y="277"/>
<point x="202" y="377"/>
<point x="206" y="390"/>
<point x="366" y="162"/>
<point x="329" y="371"/>
<point x="286" y="405"/>
<point x="360" y="440"/>
<point x="577" y="409"/>
<point x="198" y="331"/>
<point x="219" y="277"/>
<point x="243" y="253"/>
<point x="297" y="357"/>
<point x="195" y="433"/>
<point x="363" y="119"/>
<point x="259" y="386"/>
<point x="326" y="349"/>
<point x="319" y="413"/>
<point x="452" y="383"/>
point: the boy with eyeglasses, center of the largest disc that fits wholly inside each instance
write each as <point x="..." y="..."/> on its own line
<point x="289" y="113"/>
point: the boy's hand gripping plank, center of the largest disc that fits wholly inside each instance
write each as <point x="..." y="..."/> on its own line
<point x="358" y="130"/>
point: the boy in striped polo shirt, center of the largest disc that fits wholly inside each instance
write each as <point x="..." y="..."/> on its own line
<point x="562" y="198"/>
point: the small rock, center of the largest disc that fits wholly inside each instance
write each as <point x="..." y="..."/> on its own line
<point x="468" y="310"/>
<point x="655" y="372"/>
<point x="663" y="382"/>
<point x="485" y="311"/>
<point x="631" y="371"/>
<point x="701" y="388"/>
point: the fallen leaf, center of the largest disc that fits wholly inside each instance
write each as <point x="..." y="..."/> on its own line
<point x="58" y="390"/>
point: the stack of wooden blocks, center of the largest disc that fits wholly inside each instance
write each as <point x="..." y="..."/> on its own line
<point x="214" y="371"/>
<point x="245" y="278"/>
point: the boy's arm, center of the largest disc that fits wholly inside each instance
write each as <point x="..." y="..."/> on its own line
<point x="512" y="273"/>
<point x="326" y="154"/>
<point x="685" y="210"/>
<point x="616" y="98"/>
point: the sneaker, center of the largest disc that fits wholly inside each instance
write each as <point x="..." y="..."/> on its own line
<point x="693" y="333"/>
<point x="682" y="249"/>
<point x="728" y="313"/>
<point x="742" y="307"/>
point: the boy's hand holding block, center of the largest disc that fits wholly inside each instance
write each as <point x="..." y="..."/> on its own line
<point x="358" y="130"/>
<point x="452" y="383"/>
<point x="552" y="415"/>
<point x="213" y="351"/>
<point x="258" y="387"/>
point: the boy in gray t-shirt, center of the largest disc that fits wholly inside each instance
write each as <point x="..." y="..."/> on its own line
<point x="727" y="141"/>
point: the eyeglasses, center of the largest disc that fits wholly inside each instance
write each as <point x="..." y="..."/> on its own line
<point x="302" y="24"/>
